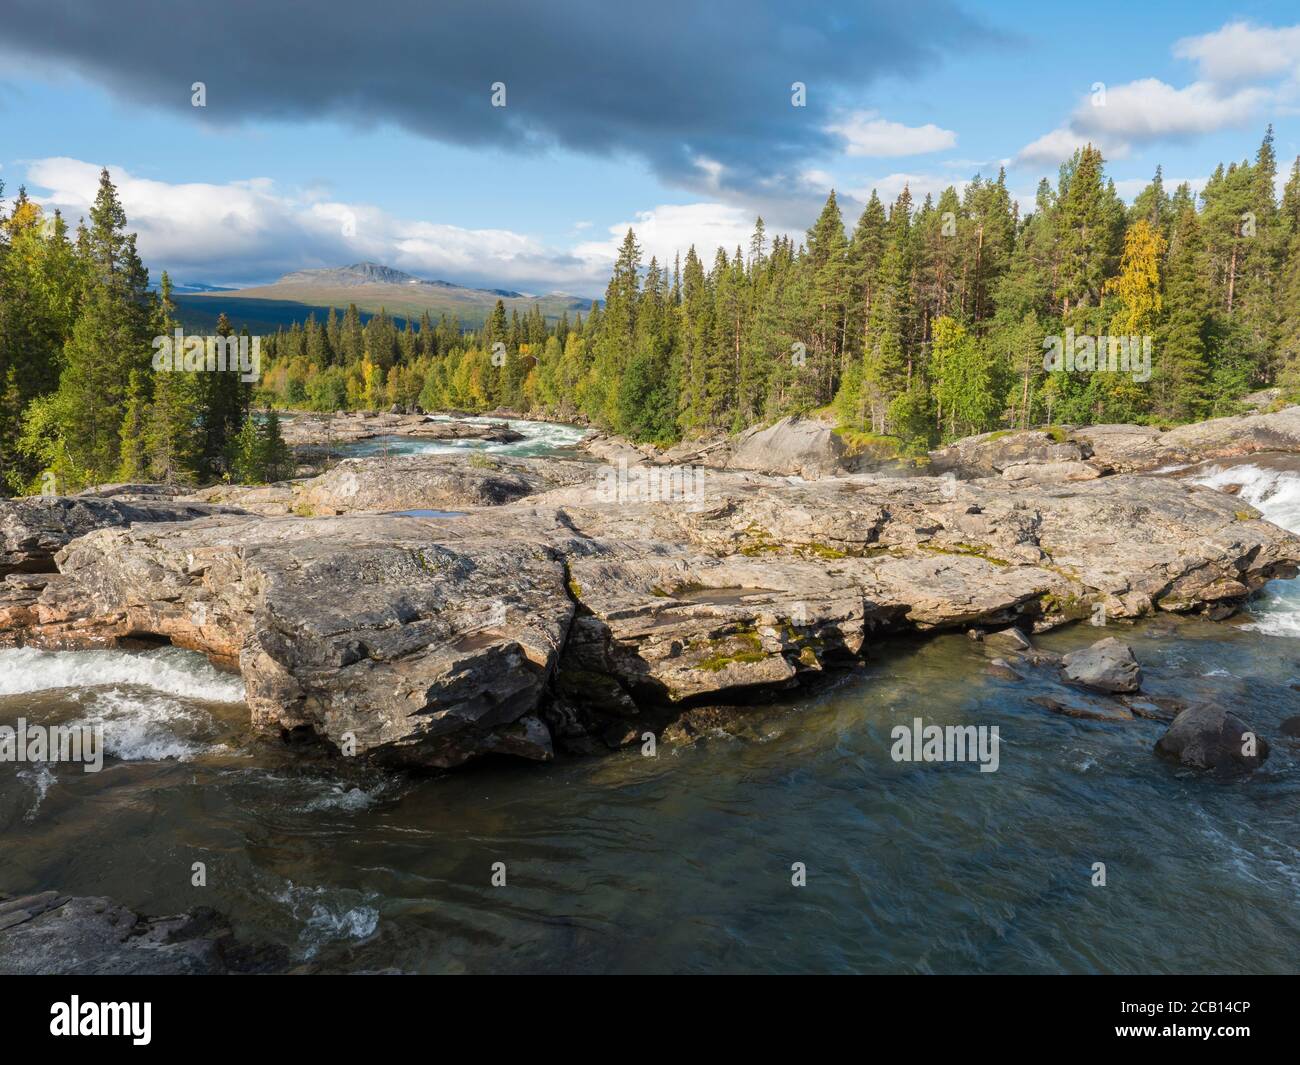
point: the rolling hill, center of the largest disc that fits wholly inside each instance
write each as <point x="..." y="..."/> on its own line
<point x="371" y="286"/>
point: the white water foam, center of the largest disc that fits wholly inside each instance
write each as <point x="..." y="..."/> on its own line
<point x="540" y="438"/>
<point x="169" y="670"/>
<point x="328" y="915"/>
<point x="146" y="728"/>
<point x="1275" y="493"/>
<point x="41" y="777"/>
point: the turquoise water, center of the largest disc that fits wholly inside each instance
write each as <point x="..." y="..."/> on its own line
<point x="683" y="861"/>
<point x="540" y="438"/>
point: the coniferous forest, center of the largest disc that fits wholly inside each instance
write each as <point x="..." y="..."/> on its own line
<point x="913" y="324"/>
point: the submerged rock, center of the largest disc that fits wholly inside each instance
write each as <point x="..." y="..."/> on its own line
<point x="1210" y="737"/>
<point x="53" y="934"/>
<point x="1107" y="666"/>
<point x="1084" y="706"/>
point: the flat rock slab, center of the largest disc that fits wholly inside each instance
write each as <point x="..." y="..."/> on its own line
<point x="33" y="529"/>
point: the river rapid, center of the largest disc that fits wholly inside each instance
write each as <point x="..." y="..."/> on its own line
<point x="683" y="862"/>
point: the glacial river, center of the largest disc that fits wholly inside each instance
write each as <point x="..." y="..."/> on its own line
<point x="682" y="862"/>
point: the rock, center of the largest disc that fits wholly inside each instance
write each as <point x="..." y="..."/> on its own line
<point x="1081" y="706"/>
<point x="33" y="529"/>
<point x="1052" y="472"/>
<point x="427" y="482"/>
<point x="990" y="454"/>
<point x="1001" y="669"/>
<point x="431" y="641"/>
<point x="437" y="429"/>
<point x="303" y="429"/>
<point x="1291" y="726"/>
<point x="608" y="448"/>
<point x="415" y="642"/>
<point x="1008" y="640"/>
<point x="58" y="935"/>
<point x="794" y="445"/>
<point x="1209" y="737"/>
<point x="1153" y="707"/>
<point x="1107" y="666"/>
<point x="1126" y="448"/>
<point x="1131" y="448"/>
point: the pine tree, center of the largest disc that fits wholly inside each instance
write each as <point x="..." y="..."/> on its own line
<point x="171" y="443"/>
<point x="109" y="340"/>
<point x="1181" y="357"/>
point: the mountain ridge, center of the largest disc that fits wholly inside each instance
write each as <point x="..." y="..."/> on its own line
<point x="372" y="287"/>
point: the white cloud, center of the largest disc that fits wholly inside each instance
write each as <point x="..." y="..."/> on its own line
<point x="1142" y="111"/>
<point x="865" y="133"/>
<point x="250" y="231"/>
<point x="1051" y="148"/>
<point x="1138" y="112"/>
<point x="1149" y="109"/>
<point x="890" y="186"/>
<point x="1242" y="52"/>
<point x="671" y="228"/>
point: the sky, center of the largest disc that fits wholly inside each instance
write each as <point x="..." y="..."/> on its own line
<point x="333" y="133"/>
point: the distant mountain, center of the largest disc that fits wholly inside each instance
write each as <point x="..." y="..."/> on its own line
<point x="371" y="286"/>
<point x="193" y="286"/>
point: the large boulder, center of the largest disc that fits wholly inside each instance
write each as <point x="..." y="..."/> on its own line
<point x="1107" y="666"/>
<point x="1210" y="737"/>
<point x="806" y="447"/>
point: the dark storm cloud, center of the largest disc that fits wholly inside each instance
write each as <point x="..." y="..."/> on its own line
<point x="670" y="82"/>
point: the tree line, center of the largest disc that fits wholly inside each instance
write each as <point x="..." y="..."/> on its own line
<point x="918" y="325"/>
<point x="923" y="323"/>
<point x="80" y="400"/>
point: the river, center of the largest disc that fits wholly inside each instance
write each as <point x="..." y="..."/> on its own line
<point x="682" y="862"/>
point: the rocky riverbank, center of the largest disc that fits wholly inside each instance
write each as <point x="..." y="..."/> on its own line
<point x="564" y="601"/>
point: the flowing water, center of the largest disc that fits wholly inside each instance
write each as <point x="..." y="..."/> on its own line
<point x="682" y="862"/>
<point x="540" y="438"/>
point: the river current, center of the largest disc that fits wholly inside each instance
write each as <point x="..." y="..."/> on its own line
<point x="683" y="862"/>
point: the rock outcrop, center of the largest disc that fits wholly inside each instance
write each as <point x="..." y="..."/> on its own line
<point x="33" y="529"/>
<point x="990" y="454"/>
<point x="1116" y="448"/>
<point x="301" y="429"/>
<point x="430" y="641"/>
<point x="401" y="483"/>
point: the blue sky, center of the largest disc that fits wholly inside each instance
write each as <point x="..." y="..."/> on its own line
<point x="329" y="140"/>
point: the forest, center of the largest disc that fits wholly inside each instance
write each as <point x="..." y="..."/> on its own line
<point x="923" y="323"/>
